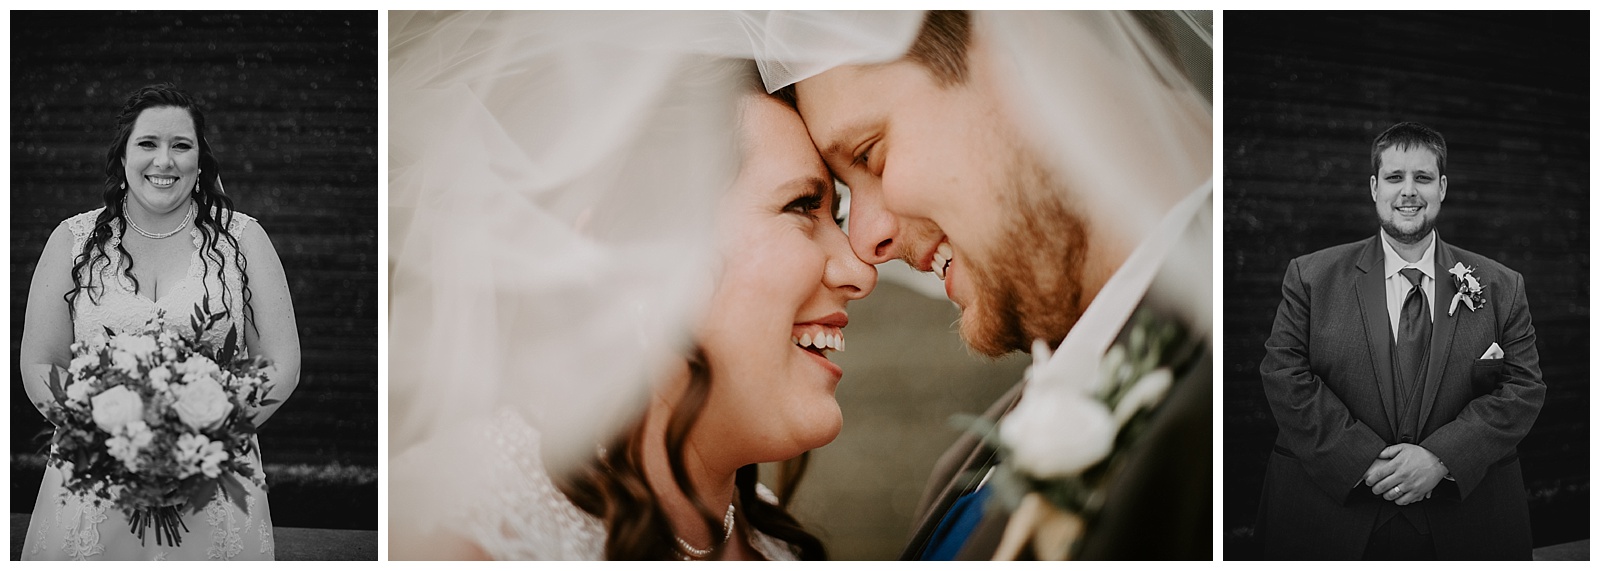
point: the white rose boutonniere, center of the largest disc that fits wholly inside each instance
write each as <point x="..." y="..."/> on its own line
<point x="1059" y="436"/>
<point x="1468" y="290"/>
<point x="1061" y="446"/>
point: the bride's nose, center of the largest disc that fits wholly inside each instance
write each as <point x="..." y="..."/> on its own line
<point x="846" y="272"/>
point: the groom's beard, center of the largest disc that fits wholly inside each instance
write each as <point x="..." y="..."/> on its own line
<point x="1030" y="285"/>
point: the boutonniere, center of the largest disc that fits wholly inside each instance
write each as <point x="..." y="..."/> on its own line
<point x="1060" y="445"/>
<point x="1468" y="290"/>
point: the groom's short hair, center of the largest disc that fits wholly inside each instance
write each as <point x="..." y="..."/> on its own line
<point x="941" y="45"/>
<point x="1408" y="135"/>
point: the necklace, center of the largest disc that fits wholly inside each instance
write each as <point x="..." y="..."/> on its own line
<point x="690" y="553"/>
<point x="152" y="236"/>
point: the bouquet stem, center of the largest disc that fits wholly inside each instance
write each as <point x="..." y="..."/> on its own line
<point x="164" y="519"/>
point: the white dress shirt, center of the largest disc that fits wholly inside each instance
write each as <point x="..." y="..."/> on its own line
<point x="1398" y="286"/>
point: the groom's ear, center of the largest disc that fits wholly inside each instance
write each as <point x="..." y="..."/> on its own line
<point x="1372" y="185"/>
<point x="1444" y="183"/>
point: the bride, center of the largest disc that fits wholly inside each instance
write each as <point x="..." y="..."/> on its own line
<point x="187" y="245"/>
<point x="497" y="450"/>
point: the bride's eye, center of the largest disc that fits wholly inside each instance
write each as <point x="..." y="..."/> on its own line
<point x="806" y="205"/>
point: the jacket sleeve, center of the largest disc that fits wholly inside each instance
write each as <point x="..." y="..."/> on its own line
<point x="1490" y="426"/>
<point x="1334" y="447"/>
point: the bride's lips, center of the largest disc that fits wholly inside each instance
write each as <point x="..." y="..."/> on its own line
<point x="816" y="337"/>
<point x="161" y="180"/>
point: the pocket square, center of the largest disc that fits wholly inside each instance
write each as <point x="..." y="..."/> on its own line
<point x="1494" y="352"/>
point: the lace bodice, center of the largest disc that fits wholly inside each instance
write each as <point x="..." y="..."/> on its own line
<point x="114" y="303"/>
<point x="525" y="517"/>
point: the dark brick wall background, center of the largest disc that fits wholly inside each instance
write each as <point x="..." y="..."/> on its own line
<point x="292" y="111"/>
<point x="1304" y="94"/>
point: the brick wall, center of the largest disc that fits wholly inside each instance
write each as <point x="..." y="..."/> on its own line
<point x="1304" y="94"/>
<point x="292" y="111"/>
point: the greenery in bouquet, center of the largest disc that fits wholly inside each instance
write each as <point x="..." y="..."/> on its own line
<point x="1061" y="445"/>
<point x="153" y="422"/>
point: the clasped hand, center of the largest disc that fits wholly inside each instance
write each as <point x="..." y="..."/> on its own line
<point x="1405" y="474"/>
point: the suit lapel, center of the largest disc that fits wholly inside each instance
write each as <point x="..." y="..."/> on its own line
<point x="1444" y="327"/>
<point x="965" y="477"/>
<point x="1375" y="311"/>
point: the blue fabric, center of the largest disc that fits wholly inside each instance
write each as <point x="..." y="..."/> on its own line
<point x="956" y="527"/>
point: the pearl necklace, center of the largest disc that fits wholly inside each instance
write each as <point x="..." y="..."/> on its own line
<point x="690" y="553"/>
<point x="153" y="236"/>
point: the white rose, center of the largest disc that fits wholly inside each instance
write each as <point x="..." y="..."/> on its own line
<point x="66" y="470"/>
<point x="1058" y="433"/>
<point x="139" y="345"/>
<point x="202" y="404"/>
<point x="116" y="407"/>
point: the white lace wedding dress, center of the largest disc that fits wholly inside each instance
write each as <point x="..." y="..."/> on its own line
<point x="68" y="526"/>
<point x="516" y="512"/>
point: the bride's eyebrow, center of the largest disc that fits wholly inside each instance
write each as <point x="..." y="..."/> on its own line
<point x="806" y="185"/>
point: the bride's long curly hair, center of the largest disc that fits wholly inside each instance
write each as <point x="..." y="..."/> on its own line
<point x="214" y="209"/>
<point x="613" y="488"/>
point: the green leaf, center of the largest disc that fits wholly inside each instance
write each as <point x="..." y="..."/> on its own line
<point x="201" y="496"/>
<point x="229" y="345"/>
<point x="234" y="489"/>
<point x="53" y="381"/>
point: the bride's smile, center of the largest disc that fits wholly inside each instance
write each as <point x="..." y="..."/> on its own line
<point x="779" y="308"/>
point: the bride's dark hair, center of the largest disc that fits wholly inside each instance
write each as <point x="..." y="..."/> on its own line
<point x="214" y="209"/>
<point x="614" y="489"/>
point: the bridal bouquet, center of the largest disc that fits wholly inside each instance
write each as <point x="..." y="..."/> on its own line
<point x="1063" y="442"/>
<point x="154" y="422"/>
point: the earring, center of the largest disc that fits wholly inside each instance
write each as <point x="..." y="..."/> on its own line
<point x="124" y="185"/>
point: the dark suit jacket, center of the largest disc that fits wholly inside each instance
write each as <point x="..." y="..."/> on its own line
<point x="1329" y="380"/>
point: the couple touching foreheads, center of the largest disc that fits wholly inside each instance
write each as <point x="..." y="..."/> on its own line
<point x="619" y="268"/>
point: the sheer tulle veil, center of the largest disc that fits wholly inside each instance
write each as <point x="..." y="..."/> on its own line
<point x="553" y="175"/>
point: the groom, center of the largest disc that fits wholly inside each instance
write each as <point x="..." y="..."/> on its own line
<point x="1402" y="373"/>
<point x="941" y="179"/>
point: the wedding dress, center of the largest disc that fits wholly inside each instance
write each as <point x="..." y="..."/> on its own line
<point x="519" y="514"/>
<point x="73" y="527"/>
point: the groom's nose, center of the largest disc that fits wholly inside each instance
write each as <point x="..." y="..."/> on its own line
<point x="872" y="227"/>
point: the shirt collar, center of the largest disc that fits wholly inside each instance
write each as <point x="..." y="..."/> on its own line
<point x="1393" y="263"/>
<point x="1100" y="323"/>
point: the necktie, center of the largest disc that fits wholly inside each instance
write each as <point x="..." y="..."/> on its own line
<point x="1416" y="330"/>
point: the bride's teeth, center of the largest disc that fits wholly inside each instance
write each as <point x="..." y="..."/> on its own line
<point x="805" y="340"/>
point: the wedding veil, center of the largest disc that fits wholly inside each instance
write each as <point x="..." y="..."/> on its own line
<point x="553" y="175"/>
